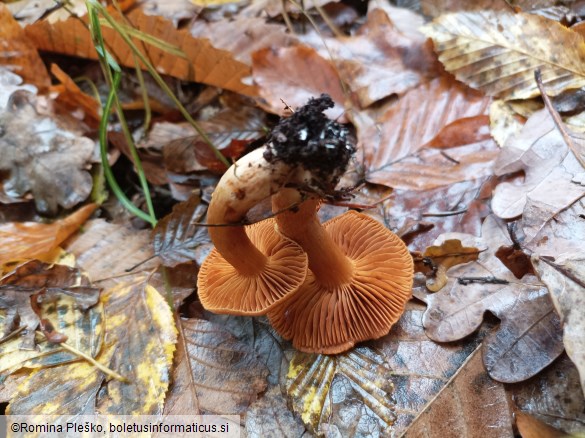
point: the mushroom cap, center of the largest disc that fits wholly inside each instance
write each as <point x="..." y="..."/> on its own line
<point x="222" y="289"/>
<point x="333" y="319"/>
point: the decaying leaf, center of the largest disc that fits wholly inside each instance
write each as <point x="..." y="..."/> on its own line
<point x="27" y="240"/>
<point x="391" y="139"/>
<point x="270" y="417"/>
<point x="469" y="405"/>
<point x="531" y="427"/>
<point x="9" y="83"/>
<point x="552" y="171"/>
<point x="504" y="121"/>
<point x="176" y="238"/>
<point x="227" y="375"/>
<point x="61" y="301"/>
<point x="202" y="62"/>
<point x="43" y="158"/>
<point x="521" y="347"/>
<point x="436" y="260"/>
<point x="295" y="74"/>
<point x="498" y="51"/>
<point x="336" y="394"/>
<point x="19" y="54"/>
<point x="565" y="279"/>
<point x="554" y="397"/>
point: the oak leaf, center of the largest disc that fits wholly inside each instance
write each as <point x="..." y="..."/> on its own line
<point x="521" y="347"/>
<point x="498" y="52"/>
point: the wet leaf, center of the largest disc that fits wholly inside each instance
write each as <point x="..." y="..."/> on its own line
<point x="27" y="240"/>
<point x="321" y="387"/>
<point x="565" y="279"/>
<point x="554" y="397"/>
<point x="436" y="260"/>
<point x="498" y="51"/>
<point x="295" y="74"/>
<point x="521" y="347"/>
<point x="393" y="137"/>
<point x="63" y="301"/>
<point x="470" y="404"/>
<point x="176" y="237"/>
<point x="43" y="158"/>
<point x="552" y="171"/>
<point x="226" y="373"/>
<point x="200" y="64"/>
<point x="19" y="54"/>
<point x="270" y="417"/>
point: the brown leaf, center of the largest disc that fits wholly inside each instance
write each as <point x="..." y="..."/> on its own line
<point x="270" y="417"/>
<point x="201" y="63"/>
<point x="391" y="139"/>
<point x="552" y="171"/>
<point x="531" y="427"/>
<point x="226" y="373"/>
<point x="42" y="157"/>
<point x="565" y="279"/>
<point x="19" y="54"/>
<point x="27" y="240"/>
<point x="294" y="75"/>
<point x="522" y="346"/>
<point x="176" y="238"/>
<point x="498" y="51"/>
<point x="470" y="405"/>
<point x="554" y="396"/>
<point x="461" y="132"/>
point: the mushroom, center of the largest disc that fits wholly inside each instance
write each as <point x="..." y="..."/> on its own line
<point x="360" y="278"/>
<point x="251" y="269"/>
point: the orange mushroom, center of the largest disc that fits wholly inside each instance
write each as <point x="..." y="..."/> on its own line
<point x="359" y="281"/>
<point x="250" y="270"/>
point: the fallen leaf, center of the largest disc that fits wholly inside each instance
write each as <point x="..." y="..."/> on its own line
<point x="295" y="74"/>
<point x="10" y="83"/>
<point x="521" y="347"/>
<point x="270" y="417"/>
<point x="504" y="121"/>
<point x="64" y="302"/>
<point x="565" y="279"/>
<point x="321" y="388"/>
<point x="498" y="51"/>
<point x="28" y="240"/>
<point x="551" y="169"/>
<point x="391" y="139"/>
<point x="469" y="405"/>
<point x="43" y="158"/>
<point x="227" y="375"/>
<point x="177" y="237"/>
<point x="531" y="427"/>
<point x="554" y="397"/>
<point x="19" y="54"/>
<point x="202" y="62"/>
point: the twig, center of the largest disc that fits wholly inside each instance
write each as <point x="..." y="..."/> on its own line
<point x="444" y="213"/>
<point x="557" y="118"/>
<point x="483" y="280"/>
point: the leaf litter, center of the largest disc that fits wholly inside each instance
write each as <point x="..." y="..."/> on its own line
<point x="422" y="135"/>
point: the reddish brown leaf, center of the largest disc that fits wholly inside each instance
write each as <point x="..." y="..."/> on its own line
<point x="19" y="54"/>
<point x="461" y="132"/>
<point x="293" y="75"/>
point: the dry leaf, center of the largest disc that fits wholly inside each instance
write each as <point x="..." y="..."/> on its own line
<point x="42" y="157"/>
<point x="391" y="139"/>
<point x="565" y="279"/>
<point x="27" y="240"/>
<point x="551" y="170"/>
<point x="270" y="417"/>
<point x="202" y="63"/>
<point x="226" y="373"/>
<point x="10" y="83"/>
<point x="177" y="237"/>
<point x="498" y="51"/>
<point x="337" y="394"/>
<point x="294" y="75"/>
<point x="469" y="405"/>
<point x="521" y="347"/>
<point x="504" y="121"/>
<point x="19" y="54"/>
<point x="531" y="427"/>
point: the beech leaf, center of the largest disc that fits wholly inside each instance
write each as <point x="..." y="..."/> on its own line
<point x="521" y="347"/>
<point x="498" y="51"/>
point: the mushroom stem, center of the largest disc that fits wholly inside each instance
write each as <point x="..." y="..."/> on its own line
<point x="328" y="263"/>
<point x="245" y="183"/>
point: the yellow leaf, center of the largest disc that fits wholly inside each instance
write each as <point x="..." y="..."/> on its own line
<point x="498" y="52"/>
